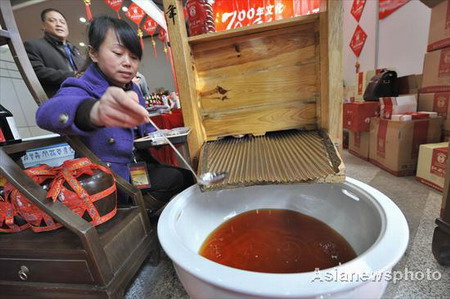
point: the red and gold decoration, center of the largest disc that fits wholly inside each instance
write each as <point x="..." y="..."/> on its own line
<point x="86" y="188"/>
<point x="150" y="27"/>
<point x="359" y="36"/>
<point x="136" y="14"/>
<point x="357" y="9"/>
<point x="358" y="40"/>
<point x="164" y="38"/>
<point x="87" y="5"/>
<point x="115" y="4"/>
<point x="387" y="7"/>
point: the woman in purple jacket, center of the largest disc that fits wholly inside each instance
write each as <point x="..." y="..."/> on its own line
<point x="106" y="109"/>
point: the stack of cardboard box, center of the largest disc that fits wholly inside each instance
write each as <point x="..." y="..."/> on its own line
<point x="435" y="93"/>
<point x="435" y="90"/>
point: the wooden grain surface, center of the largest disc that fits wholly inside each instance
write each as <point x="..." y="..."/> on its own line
<point x="251" y="85"/>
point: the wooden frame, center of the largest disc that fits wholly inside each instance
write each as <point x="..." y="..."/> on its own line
<point x="223" y="88"/>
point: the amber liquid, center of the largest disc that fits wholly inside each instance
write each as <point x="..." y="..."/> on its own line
<point x="276" y="241"/>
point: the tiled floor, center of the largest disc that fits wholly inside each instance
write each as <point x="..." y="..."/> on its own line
<point x="420" y="205"/>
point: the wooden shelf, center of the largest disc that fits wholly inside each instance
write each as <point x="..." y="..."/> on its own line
<point x="233" y="33"/>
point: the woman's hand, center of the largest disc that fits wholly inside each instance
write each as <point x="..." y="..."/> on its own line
<point x="118" y="108"/>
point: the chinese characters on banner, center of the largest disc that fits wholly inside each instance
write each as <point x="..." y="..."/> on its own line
<point x="387" y="7"/>
<point x="231" y="14"/>
<point x="357" y="9"/>
<point x="358" y="40"/>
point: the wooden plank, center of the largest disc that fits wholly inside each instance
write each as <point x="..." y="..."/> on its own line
<point x="248" y="30"/>
<point x="264" y="88"/>
<point x="184" y="68"/>
<point x="331" y="76"/>
<point x="252" y="75"/>
<point x="260" y="120"/>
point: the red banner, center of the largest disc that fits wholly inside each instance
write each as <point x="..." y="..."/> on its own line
<point x="387" y="7"/>
<point x="357" y="9"/>
<point x="135" y="13"/>
<point x="358" y="40"/>
<point x="234" y="14"/>
<point x="114" y="4"/>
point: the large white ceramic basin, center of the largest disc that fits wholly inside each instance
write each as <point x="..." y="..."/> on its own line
<point x="366" y="218"/>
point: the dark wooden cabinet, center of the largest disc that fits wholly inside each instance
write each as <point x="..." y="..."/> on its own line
<point x="79" y="259"/>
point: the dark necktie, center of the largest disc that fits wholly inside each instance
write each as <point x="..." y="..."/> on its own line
<point x="69" y="54"/>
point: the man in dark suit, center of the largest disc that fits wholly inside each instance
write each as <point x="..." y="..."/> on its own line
<point x="53" y="58"/>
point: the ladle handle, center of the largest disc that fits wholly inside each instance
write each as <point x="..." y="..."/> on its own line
<point x="174" y="148"/>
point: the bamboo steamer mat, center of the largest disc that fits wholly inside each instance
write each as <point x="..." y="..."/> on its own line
<point x="287" y="157"/>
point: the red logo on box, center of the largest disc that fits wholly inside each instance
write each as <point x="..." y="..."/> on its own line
<point x="440" y="103"/>
<point x="358" y="40"/>
<point x="439" y="161"/>
<point x="420" y="136"/>
<point x="444" y="63"/>
<point x="381" y="138"/>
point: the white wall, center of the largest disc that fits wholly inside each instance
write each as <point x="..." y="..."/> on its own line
<point x="397" y="41"/>
<point x="157" y="70"/>
<point x="15" y="96"/>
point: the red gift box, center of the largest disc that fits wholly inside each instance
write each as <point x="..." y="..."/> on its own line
<point x="357" y="115"/>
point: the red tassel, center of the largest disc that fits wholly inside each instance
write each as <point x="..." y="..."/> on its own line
<point x="88" y="11"/>
<point x="118" y="15"/>
<point x="154" y="47"/>
<point x="140" y="34"/>
<point x="165" y="51"/>
<point x="173" y="71"/>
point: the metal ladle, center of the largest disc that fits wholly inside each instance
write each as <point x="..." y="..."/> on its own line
<point x="204" y="179"/>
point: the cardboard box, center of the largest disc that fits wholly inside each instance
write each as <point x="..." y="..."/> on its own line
<point x="357" y="115"/>
<point x="437" y="102"/>
<point x="394" y="145"/>
<point x="359" y="144"/>
<point x="431" y="3"/>
<point x="397" y="105"/>
<point x="436" y="71"/>
<point x="431" y="164"/>
<point x="439" y="33"/>
<point x="409" y="84"/>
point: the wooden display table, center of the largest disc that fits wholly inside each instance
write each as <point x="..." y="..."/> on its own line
<point x="78" y="260"/>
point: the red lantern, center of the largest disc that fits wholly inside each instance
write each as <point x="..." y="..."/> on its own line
<point x="136" y="14"/>
<point x="115" y="4"/>
<point x="150" y="27"/>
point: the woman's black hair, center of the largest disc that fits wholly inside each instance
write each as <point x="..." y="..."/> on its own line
<point x="126" y="35"/>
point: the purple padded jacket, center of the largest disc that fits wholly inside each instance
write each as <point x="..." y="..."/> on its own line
<point x="112" y="145"/>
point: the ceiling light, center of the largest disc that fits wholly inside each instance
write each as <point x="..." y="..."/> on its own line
<point x="124" y="8"/>
<point x="82" y="44"/>
<point x="82" y="20"/>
